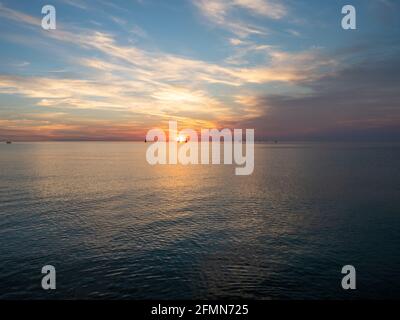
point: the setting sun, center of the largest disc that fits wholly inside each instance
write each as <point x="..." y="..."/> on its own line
<point x="181" y="139"/>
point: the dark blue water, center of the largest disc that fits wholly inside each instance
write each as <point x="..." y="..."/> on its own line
<point x="116" y="227"/>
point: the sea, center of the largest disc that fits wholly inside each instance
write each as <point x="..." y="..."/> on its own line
<point x="116" y="227"/>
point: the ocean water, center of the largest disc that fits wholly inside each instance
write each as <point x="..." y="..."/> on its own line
<point x="117" y="228"/>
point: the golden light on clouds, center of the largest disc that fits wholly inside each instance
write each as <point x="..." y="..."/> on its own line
<point x="124" y="82"/>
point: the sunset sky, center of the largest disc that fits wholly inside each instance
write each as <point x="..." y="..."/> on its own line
<point x="112" y="71"/>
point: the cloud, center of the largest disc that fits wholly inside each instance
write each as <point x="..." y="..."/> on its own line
<point x="76" y="3"/>
<point x="358" y="101"/>
<point x="221" y="13"/>
<point x="155" y="66"/>
<point x="138" y="31"/>
<point x="155" y="86"/>
<point x="17" y="16"/>
<point x="21" y="64"/>
<point x="236" y="42"/>
<point x="266" y="8"/>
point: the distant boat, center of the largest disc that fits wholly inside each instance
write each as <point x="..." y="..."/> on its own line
<point x="8" y="141"/>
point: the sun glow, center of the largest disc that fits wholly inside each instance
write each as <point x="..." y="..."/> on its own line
<point x="181" y="139"/>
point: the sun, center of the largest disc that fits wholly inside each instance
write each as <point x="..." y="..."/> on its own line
<point x="181" y="139"/>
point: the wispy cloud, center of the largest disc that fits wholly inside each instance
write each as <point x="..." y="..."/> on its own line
<point x="21" y="64"/>
<point x="268" y="8"/>
<point x="221" y="13"/>
<point x="18" y="16"/>
<point x="80" y="4"/>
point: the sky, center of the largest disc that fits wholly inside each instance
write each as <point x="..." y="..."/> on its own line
<point x="112" y="70"/>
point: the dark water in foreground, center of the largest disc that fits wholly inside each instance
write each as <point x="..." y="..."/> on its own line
<point x="115" y="227"/>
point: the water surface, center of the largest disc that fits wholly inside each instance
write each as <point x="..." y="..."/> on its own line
<point x="116" y="227"/>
